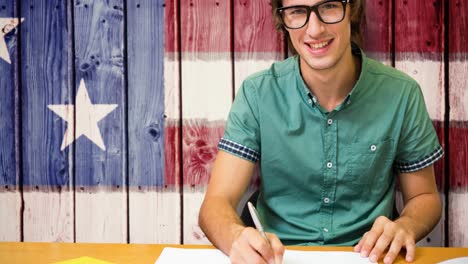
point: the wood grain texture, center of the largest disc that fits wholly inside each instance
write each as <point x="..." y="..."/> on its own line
<point x="48" y="216"/>
<point x="101" y="199"/>
<point x="46" y="65"/>
<point x="172" y="136"/>
<point x="458" y="211"/>
<point x="458" y="132"/>
<point x="154" y="204"/>
<point x="419" y="45"/>
<point x="206" y="97"/>
<point x="419" y="27"/>
<point x="378" y="30"/>
<point x="257" y="44"/>
<point x="10" y="197"/>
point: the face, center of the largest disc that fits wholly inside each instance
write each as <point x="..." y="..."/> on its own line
<point x="321" y="46"/>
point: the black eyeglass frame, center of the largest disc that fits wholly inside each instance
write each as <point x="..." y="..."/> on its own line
<point x="311" y="9"/>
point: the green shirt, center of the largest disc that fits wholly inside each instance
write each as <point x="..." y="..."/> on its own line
<point x="326" y="176"/>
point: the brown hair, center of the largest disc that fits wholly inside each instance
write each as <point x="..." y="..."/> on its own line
<point x="357" y="16"/>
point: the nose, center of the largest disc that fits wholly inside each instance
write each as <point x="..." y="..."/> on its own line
<point x="314" y="26"/>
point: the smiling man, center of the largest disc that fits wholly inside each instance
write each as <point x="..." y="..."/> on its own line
<point x="332" y="130"/>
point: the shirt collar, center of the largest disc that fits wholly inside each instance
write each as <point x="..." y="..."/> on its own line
<point x="310" y="98"/>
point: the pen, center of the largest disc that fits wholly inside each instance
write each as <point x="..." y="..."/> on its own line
<point x="256" y="221"/>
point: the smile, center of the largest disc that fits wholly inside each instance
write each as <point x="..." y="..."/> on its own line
<point x="319" y="45"/>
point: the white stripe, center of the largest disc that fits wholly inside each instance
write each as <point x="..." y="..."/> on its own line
<point x="10" y="211"/>
<point x="458" y="91"/>
<point x="193" y="198"/>
<point x="171" y="86"/>
<point x="101" y="216"/>
<point x="155" y="216"/>
<point x="430" y="76"/>
<point x="48" y="216"/>
<point x="206" y="86"/>
<point x="458" y="212"/>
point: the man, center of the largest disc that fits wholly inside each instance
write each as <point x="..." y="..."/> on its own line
<point x="332" y="130"/>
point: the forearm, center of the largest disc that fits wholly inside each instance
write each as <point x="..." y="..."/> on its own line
<point x="421" y="214"/>
<point x="220" y="222"/>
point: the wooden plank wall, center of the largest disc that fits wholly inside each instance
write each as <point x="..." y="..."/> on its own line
<point x="165" y="73"/>
<point x="458" y="128"/>
<point x="46" y="77"/>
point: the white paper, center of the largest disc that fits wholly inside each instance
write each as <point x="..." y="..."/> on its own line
<point x="215" y="256"/>
<point x="463" y="260"/>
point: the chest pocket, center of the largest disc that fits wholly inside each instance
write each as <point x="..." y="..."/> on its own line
<point x="366" y="160"/>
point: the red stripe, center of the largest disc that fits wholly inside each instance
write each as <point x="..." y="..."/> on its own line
<point x="170" y="26"/>
<point x="206" y="26"/>
<point x="171" y="154"/>
<point x="200" y="145"/>
<point x="254" y="29"/>
<point x="419" y="26"/>
<point x="458" y="138"/>
<point x="458" y="28"/>
<point x="377" y="30"/>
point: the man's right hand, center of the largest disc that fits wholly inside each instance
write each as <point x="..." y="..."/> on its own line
<point x="251" y="247"/>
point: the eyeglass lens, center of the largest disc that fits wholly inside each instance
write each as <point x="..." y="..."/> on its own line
<point x="328" y="12"/>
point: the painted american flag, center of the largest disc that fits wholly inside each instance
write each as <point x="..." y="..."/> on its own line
<point x="111" y="110"/>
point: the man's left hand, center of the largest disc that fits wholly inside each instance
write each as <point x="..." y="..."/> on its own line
<point x="386" y="234"/>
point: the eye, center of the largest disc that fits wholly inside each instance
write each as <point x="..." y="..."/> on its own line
<point x="296" y="11"/>
<point x="330" y="5"/>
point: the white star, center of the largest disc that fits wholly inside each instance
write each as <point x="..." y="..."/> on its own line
<point x="7" y="24"/>
<point x="87" y="117"/>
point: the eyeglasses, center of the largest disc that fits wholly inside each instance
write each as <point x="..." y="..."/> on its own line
<point x="328" y="11"/>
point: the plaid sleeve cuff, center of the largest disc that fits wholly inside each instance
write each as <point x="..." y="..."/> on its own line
<point x="420" y="164"/>
<point x="239" y="150"/>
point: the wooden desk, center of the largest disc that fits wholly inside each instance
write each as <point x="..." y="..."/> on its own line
<point x="142" y="254"/>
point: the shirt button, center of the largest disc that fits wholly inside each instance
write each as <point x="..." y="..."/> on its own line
<point x="373" y="147"/>
<point x="329" y="165"/>
<point x="326" y="200"/>
<point x="330" y="121"/>
<point x="310" y="101"/>
<point x="325" y="230"/>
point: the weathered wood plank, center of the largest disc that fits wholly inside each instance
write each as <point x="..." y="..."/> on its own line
<point x="172" y="136"/>
<point x="46" y="62"/>
<point x="257" y="44"/>
<point x="10" y="196"/>
<point x="154" y="203"/>
<point x="458" y="135"/>
<point x="101" y="198"/>
<point x="419" y="44"/>
<point x="206" y="98"/>
<point x="378" y="30"/>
